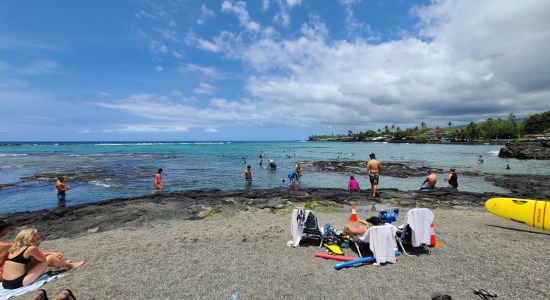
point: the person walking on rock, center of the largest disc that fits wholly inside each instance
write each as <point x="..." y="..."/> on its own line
<point x="374" y="169"/>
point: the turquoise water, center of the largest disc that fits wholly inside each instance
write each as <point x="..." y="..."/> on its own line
<point x="195" y="165"/>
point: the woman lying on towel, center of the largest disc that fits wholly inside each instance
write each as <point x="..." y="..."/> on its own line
<point x="25" y="262"/>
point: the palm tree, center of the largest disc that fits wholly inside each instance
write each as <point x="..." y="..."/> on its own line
<point x="450" y="124"/>
<point x="423" y="125"/>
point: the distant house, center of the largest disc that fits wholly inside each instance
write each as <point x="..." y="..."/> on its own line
<point x="537" y="136"/>
<point x="435" y="134"/>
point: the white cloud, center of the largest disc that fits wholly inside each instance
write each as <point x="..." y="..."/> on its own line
<point x="471" y="61"/>
<point x="265" y="5"/>
<point x="211" y="130"/>
<point x="207" y="45"/>
<point x="205" y="14"/>
<point x="293" y="2"/>
<point x="480" y="61"/>
<point x="239" y="9"/>
<point x="159" y="68"/>
<point x="157" y="47"/>
<point x="176" y="93"/>
<point x="104" y="94"/>
<point x="211" y="72"/>
<point x="204" y="89"/>
<point x="147" y="128"/>
<point x="177" y="54"/>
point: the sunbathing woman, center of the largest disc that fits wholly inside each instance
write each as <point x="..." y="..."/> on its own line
<point x="25" y="262"/>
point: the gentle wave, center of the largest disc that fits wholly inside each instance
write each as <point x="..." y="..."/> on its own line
<point x="102" y="184"/>
<point x="495" y="152"/>
<point x="13" y="154"/>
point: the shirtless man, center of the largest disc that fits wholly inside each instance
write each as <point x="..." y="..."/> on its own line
<point x="248" y="174"/>
<point x="61" y="188"/>
<point x="373" y="170"/>
<point x="430" y="181"/>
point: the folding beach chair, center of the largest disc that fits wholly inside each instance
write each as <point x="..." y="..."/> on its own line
<point x="303" y="226"/>
<point x="415" y="231"/>
<point x="381" y="241"/>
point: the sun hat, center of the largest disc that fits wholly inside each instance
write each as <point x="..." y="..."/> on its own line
<point x="373" y="220"/>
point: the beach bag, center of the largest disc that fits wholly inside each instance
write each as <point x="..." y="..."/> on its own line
<point x="388" y="215"/>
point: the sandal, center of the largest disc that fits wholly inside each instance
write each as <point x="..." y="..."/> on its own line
<point x="68" y="295"/>
<point x="42" y="294"/>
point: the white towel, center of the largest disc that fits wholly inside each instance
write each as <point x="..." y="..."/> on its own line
<point x="297" y="225"/>
<point x="382" y="243"/>
<point x="6" y="294"/>
<point x="419" y="219"/>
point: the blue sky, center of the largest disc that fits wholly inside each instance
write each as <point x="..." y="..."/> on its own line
<point x="264" y="70"/>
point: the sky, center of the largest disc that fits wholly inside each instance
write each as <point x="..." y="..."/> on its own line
<point x="140" y="70"/>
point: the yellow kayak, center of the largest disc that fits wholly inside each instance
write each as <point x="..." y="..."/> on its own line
<point x="534" y="213"/>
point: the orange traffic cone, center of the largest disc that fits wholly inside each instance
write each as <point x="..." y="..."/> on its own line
<point x="433" y="242"/>
<point x="353" y="216"/>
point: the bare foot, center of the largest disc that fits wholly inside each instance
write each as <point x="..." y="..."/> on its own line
<point x="76" y="264"/>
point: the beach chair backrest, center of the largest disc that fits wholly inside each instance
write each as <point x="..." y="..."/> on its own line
<point x="419" y="220"/>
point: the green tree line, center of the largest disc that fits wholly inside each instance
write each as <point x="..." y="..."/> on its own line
<point x="489" y="129"/>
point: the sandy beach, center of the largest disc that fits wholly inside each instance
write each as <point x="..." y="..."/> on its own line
<point x="244" y="253"/>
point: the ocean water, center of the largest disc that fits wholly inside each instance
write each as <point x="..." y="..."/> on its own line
<point x="128" y="169"/>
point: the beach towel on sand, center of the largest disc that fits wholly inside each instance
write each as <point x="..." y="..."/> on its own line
<point x="382" y="243"/>
<point x="6" y="294"/>
<point x="419" y="219"/>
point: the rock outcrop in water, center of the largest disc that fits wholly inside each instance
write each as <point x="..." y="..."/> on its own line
<point x="392" y="169"/>
<point x="526" y="186"/>
<point x="526" y="150"/>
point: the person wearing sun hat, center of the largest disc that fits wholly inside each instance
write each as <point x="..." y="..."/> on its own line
<point x="452" y="179"/>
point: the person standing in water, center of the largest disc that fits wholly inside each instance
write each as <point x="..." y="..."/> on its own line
<point x="248" y="174"/>
<point x="298" y="169"/>
<point x="373" y="170"/>
<point x="480" y="159"/>
<point x="452" y="179"/>
<point x="61" y="188"/>
<point x="261" y="157"/>
<point x="158" y="180"/>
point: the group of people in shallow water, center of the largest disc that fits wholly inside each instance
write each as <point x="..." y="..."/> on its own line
<point x="374" y="168"/>
<point x="292" y="176"/>
<point x="22" y="262"/>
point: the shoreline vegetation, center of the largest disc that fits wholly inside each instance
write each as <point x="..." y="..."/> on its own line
<point x="490" y="131"/>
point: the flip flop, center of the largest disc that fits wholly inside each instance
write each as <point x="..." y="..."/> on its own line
<point x="68" y="295"/>
<point x="42" y="294"/>
<point x="485" y="294"/>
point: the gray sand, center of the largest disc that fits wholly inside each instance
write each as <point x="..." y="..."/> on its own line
<point x="246" y="253"/>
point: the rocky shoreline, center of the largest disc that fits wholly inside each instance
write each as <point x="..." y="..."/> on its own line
<point x="526" y="150"/>
<point x="357" y="167"/>
<point x="198" y="204"/>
